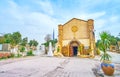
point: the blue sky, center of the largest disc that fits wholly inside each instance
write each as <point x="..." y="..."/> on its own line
<point x="36" y="18"/>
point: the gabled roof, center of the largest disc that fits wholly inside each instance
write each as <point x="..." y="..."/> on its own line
<point x="73" y="19"/>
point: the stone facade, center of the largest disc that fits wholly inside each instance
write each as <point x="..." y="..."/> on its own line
<point x="77" y="37"/>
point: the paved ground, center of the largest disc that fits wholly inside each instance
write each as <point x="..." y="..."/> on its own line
<point x="48" y="67"/>
<point x="115" y="57"/>
<point x="115" y="61"/>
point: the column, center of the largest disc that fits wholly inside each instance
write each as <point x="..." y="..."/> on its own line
<point x="60" y="36"/>
<point x="92" y="36"/>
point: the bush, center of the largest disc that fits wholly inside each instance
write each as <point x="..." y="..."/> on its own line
<point x="22" y="49"/>
<point x="5" y="55"/>
<point x="30" y="53"/>
<point x="1" y="55"/>
<point x="19" y="55"/>
<point x="12" y="55"/>
<point x="98" y="51"/>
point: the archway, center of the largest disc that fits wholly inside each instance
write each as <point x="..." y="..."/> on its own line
<point x="73" y="48"/>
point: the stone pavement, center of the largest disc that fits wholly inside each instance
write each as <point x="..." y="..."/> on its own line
<point x="11" y="60"/>
<point x="49" y="67"/>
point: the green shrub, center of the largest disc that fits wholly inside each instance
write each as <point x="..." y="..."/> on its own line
<point x="4" y="57"/>
<point x="22" y="49"/>
<point x="19" y="55"/>
<point x="30" y="53"/>
<point x="98" y="51"/>
<point x="12" y="55"/>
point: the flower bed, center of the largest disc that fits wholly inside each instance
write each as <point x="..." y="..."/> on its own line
<point x="5" y="54"/>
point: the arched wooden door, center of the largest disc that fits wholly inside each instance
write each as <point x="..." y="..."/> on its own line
<point x="73" y="51"/>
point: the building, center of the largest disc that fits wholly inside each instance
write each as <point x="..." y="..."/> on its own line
<point x="76" y="37"/>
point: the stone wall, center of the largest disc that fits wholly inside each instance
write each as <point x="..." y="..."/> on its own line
<point x="5" y="47"/>
<point x="81" y="33"/>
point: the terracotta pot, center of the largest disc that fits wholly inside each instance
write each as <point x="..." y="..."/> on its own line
<point x="108" y="69"/>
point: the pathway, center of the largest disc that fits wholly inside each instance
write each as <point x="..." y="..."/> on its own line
<point x="49" y="67"/>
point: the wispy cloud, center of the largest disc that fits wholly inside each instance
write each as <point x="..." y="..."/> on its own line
<point x="94" y="16"/>
<point x="36" y="18"/>
<point x="46" y="6"/>
<point x="29" y="23"/>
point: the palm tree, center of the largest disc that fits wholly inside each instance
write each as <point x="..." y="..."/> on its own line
<point x="104" y="44"/>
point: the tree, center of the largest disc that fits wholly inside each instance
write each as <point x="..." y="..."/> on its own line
<point x="117" y="38"/>
<point x="113" y="40"/>
<point x="8" y="38"/>
<point x="53" y="42"/>
<point x="104" y="44"/>
<point x="33" y="43"/>
<point x="23" y="44"/>
<point x="22" y="49"/>
<point x="97" y="43"/>
<point x="47" y="37"/>
<point x="46" y="44"/>
<point x="13" y="39"/>
<point x="16" y="36"/>
<point x="30" y="43"/>
<point x="2" y="39"/>
<point x="24" y="41"/>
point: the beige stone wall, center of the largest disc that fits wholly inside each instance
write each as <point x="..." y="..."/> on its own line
<point x="80" y="34"/>
<point x="85" y="42"/>
<point x="66" y="42"/>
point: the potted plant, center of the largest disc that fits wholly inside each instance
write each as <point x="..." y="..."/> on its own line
<point x="104" y="44"/>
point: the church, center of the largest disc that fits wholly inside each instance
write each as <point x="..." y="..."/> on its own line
<point x="76" y="37"/>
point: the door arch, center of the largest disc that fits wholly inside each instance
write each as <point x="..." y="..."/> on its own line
<point x="73" y="48"/>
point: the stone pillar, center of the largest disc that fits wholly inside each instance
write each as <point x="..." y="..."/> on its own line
<point x="60" y="36"/>
<point x="68" y="49"/>
<point x="91" y="36"/>
<point x="78" y="50"/>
